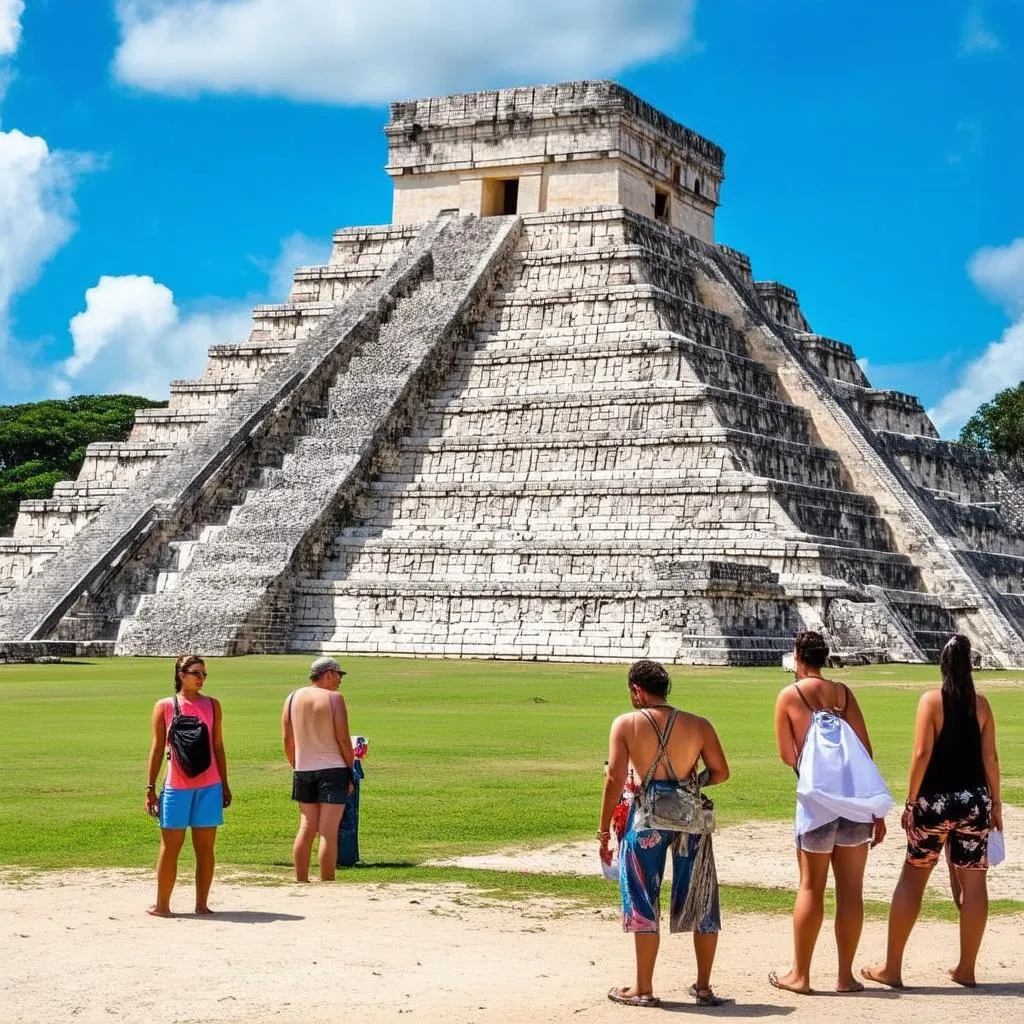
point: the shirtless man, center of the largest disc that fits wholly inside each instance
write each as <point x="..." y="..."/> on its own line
<point x="642" y="853"/>
<point x="317" y="744"/>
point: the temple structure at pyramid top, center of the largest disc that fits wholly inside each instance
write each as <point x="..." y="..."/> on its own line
<point x="543" y="414"/>
<point x="546" y="148"/>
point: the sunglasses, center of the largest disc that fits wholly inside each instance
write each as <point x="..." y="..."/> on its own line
<point x="194" y="672"/>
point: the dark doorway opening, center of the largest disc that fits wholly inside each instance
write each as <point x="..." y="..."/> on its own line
<point x="660" y="205"/>
<point x="510" y="196"/>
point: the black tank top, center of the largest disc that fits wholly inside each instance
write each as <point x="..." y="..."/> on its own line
<point x="956" y="762"/>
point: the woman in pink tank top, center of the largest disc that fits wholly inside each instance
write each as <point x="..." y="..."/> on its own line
<point x="186" y="801"/>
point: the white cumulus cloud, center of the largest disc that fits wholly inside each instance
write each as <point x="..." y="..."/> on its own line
<point x="976" y="36"/>
<point x="998" y="272"/>
<point x="36" y="219"/>
<point x="351" y="51"/>
<point x="134" y="337"/>
<point x="10" y="26"/>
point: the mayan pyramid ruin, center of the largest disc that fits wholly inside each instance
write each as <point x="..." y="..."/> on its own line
<point x="540" y="415"/>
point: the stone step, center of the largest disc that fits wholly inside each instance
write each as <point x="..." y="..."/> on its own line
<point x="330" y="284"/>
<point x="928" y="617"/>
<point x="983" y="526"/>
<point x="1005" y="572"/>
<point x="206" y="396"/>
<point x="21" y="558"/>
<point x="740" y="613"/>
<point x="649" y="307"/>
<point x="891" y="411"/>
<point x="90" y="489"/>
<point x="580" y="560"/>
<point x="54" y="520"/>
<point x="834" y="358"/>
<point x="576" y="367"/>
<point x="166" y="426"/>
<point x="936" y="465"/>
<point x="665" y="455"/>
<point x="121" y="462"/>
<point x="288" y="321"/>
<point x="601" y="267"/>
<point x="245" y="361"/>
<point x="651" y="407"/>
<point x="374" y="247"/>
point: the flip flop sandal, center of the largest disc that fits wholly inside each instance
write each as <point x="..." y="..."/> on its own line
<point x="616" y="996"/>
<point x="707" y="997"/>
<point x="773" y="980"/>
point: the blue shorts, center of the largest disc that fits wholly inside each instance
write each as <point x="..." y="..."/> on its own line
<point x="642" y="856"/>
<point x="192" y="808"/>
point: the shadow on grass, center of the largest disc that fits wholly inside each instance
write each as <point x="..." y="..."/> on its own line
<point x="384" y="864"/>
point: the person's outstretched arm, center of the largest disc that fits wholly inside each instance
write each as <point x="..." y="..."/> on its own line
<point x="990" y="758"/>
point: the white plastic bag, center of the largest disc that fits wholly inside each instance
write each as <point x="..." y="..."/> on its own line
<point x="610" y="871"/>
<point x="996" y="848"/>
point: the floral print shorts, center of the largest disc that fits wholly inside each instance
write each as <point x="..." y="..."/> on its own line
<point x="960" y="819"/>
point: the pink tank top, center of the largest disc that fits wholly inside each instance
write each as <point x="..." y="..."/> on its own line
<point x="176" y="778"/>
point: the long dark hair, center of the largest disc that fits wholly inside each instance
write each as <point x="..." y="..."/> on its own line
<point x="957" y="678"/>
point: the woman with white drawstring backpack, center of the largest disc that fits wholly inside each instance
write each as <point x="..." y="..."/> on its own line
<point x="842" y="801"/>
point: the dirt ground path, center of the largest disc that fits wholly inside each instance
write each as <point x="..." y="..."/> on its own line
<point x="77" y="947"/>
<point x="761" y="853"/>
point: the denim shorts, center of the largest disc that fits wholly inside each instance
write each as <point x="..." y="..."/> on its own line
<point x="838" y="832"/>
<point x="322" y="786"/>
<point x="202" y="807"/>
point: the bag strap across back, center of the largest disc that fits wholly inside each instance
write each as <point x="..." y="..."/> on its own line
<point x="662" y="754"/>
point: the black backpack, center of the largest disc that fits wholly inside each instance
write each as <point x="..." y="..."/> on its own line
<point x="189" y="738"/>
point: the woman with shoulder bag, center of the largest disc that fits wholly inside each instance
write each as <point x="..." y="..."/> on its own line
<point x="842" y="801"/>
<point x="953" y="802"/>
<point x="669" y="811"/>
<point x="195" y="791"/>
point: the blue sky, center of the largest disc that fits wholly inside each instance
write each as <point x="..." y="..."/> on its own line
<point x="164" y="163"/>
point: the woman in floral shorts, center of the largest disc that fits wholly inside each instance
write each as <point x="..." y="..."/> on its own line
<point x="952" y="802"/>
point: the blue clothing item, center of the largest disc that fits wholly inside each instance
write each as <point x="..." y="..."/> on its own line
<point x="642" y="856"/>
<point x="192" y="808"/>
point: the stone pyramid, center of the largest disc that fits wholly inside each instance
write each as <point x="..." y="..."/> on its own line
<point x="541" y="415"/>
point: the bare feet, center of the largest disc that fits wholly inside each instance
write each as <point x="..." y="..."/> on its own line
<point x="850" y="984"/>
<point x="878" y="975"/>
<point x="789" y="982"/>
<point x="203" y="910"/>
<point x="159" y="912"/>
<point x="967" y="980"/>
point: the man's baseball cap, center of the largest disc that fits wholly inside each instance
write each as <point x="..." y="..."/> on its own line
<point x="322" y="665"/>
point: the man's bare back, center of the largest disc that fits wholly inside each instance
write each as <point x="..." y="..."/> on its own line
<point x="315" y="717"/>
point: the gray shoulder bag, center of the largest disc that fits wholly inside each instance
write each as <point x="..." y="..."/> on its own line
<point x="678" y="807"/>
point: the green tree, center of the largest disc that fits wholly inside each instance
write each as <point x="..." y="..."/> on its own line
<point x="43" y="442"/>
<point x="998" y="425"/>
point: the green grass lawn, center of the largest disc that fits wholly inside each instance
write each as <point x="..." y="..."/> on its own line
<point x="464" y="756"/>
